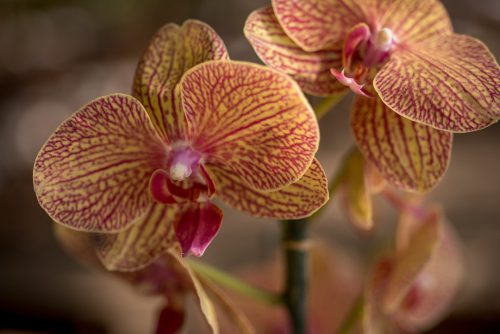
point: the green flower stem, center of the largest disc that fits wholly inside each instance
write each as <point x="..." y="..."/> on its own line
<point x="234" y="283"/>
<point x="296" y="274"/>
<point x="353" y="318"/>
<point x="326" y="104"/>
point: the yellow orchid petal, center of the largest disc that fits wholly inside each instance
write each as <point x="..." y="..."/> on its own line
<point x="311" y="70"/>
<point x="297" y="200"/>
<point x="317" y="24"/>
<point x="252" y="119"/>
<point x="357" y="195"/>
<point x="451" y="83"/>
<point x="149" y="237"/>
<point x="172" y="51"/>
<point x="93" y="172"/>
<point x="411" y="21"/>
<point x="409" y="155"/>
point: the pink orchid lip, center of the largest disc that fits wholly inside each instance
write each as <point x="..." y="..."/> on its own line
<point x="197" y="227"/>
<point x="349" y="82"/>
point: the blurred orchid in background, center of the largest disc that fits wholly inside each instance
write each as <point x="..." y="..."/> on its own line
<point x="142" y="170"/>
<point x="335" y="284"/>
<point x="413" y="288"/>
<point x="425" y="81"/>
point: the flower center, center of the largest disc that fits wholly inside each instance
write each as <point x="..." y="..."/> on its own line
<point x="183" y="179"/>
<point x="363" y="54"/>
<point x="183" y="160"/>
<point x="377" y="48"/>
<point x="384" y="39"/>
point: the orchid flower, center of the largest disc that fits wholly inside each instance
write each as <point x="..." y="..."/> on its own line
<point x="425" y="81"/>
<point x="414" y="287"/>
<point x="141" y="171"/>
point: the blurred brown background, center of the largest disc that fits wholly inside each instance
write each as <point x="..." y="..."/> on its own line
<point x="55" y="55"/>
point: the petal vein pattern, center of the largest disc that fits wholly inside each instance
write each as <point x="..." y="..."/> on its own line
<point x="317" y="24"/>
<point x="311" y="70"/>
<point x="149" y="237"/>
<point x="451" y="83"/>
<point x="297" y="200"/>
<point x="172" y="51"/>
<point x="251" y="119"/>
<point x="412" y="21"/>
<point x="410" y="155"/>
<point x="93" y="172"/>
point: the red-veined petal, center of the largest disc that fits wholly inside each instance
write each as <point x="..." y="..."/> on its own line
<point x="297" y="200"/>
<point x="411" y="21"/>
<point x="317" y="24"/>
<point x="252" y="119"/>
<point x="172" y="51"/>
<point x="146" y="240"/>
<point x="197" y="227"/>
<point x="93" y="172"/>
<point x="311" y="70"/>
<point x="409" y="155"/>
<point x="450" y="83"/>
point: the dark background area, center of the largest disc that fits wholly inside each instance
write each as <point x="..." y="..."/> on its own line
<point x="56" y="55"/>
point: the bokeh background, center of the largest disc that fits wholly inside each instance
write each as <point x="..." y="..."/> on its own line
<point x="56" y="55"/>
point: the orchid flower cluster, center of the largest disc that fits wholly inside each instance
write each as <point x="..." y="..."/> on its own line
<point x="131" y="180"/>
